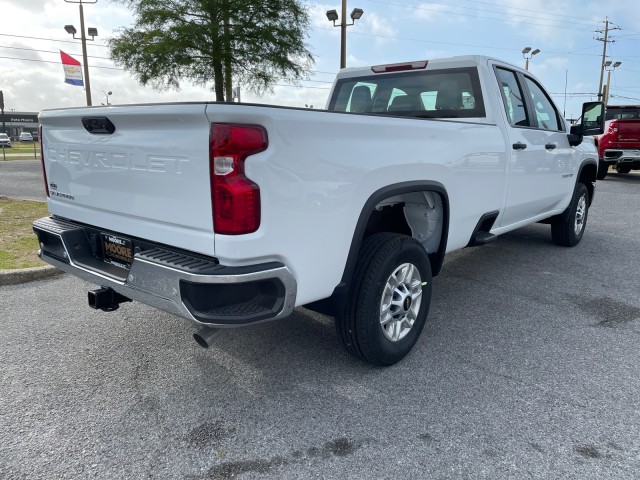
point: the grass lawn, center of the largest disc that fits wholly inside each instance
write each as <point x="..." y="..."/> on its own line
<point x="25" y="149"/>
<point x="18" y="243"/>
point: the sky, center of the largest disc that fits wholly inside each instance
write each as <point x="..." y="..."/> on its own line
<point x="32" y="78"/>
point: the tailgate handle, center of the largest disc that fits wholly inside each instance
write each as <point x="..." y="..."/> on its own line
<point x="98" y="125"/>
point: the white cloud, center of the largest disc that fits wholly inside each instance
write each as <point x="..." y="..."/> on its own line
<point x="432" y="12"/>
<point x="377" y="25"/>
<point x="542" y="20"/>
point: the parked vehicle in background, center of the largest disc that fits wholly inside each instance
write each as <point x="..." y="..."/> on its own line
<point x="619" y="146"/>
<point x="5" y="141"/>
<point x="26" y="137"/>
<point x="232" y="214"/>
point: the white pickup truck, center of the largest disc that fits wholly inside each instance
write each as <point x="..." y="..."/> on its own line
<point x="233" y="214"/>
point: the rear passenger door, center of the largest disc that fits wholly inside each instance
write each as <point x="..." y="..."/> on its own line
<point x="539" y="149"/>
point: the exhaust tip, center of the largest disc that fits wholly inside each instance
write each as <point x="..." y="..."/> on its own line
<point x="204" y="337"/>
<point x="200" y="341"/>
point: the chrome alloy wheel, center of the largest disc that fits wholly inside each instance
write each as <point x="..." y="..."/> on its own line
<point x="581" y="213"/>
<point x="400" y="302"/>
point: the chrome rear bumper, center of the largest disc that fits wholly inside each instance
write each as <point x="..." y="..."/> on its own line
<point x="178" y="282"/>
<point x="622" y="155"/>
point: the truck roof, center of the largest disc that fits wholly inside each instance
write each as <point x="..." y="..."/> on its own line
<point x="447" y="62"/>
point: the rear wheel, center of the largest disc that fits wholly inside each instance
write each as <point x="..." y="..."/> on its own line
<point x="621" y="169"/>
<point x="568" y="229"/>
<point x="602" y="170"/>
<point x="389" y="301"/>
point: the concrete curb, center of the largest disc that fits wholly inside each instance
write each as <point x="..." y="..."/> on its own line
<point x="24" y="275"/>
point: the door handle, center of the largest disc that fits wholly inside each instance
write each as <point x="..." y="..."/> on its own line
<point x="519" y="146"/>
<point x="550" y="146"/>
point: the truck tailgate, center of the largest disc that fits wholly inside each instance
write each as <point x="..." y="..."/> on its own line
<point x="629" y="130"/>
<point x="149" y="178"/>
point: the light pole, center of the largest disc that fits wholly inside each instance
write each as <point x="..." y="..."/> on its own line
<point x="609" y="68"/>
<point x="332" y="16"/>
<point x="92" y="32"/>
<point x="106" y="96"/>
<point x="526" y="51"/>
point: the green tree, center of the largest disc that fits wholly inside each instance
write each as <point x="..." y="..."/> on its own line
<point x="209" y="42"/>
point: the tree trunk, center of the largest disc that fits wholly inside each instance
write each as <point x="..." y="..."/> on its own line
<point x="218" y="81"/>
<point x="218" y="55"/>
<point x="228" y="75"/>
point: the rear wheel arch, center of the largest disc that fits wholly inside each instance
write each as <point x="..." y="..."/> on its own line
<point x="367" y="225"/>
<point x="363" y="226"/>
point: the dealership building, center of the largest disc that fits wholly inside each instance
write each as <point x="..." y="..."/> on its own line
<point x="14" y="123"/>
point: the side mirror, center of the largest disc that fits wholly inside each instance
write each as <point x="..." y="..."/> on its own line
<point x="591" y="123"/>
<point x="592" y="118"/>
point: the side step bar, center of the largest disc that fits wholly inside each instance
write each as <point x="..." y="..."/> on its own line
<point x="481" y="234"/>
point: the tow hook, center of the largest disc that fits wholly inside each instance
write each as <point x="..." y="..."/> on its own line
<point x="106" y="299"/>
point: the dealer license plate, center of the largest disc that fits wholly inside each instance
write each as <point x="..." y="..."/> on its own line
<point x="118" y="251"/>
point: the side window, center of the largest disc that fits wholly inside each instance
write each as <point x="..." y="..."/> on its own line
<point x="546" y="114"/>
<point x="513" y="98"/>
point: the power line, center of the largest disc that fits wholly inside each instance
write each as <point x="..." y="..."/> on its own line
<point x="299" y="86"/>
<point x="107" y="58"/>
<point x="493" y="4"/>
<point x="50" y="51"/>
<point x="50" y="39"/>
<point x="511" y="49"/>
<point x="626" y="98"/>
<point x="486" y="18"/>
<point x="57" y="63"/>
<point x="122" y="69"/>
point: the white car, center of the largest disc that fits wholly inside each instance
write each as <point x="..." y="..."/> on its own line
<point x="26" y="137"/>
<point x="5" y="141"/>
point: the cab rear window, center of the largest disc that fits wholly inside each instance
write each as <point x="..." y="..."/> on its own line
<point x="619" y="113"/>
<point x="447" y="93"/>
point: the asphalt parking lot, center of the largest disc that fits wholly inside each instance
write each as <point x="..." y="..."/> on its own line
<point x="528" y="368"/>
<point x="22" y="179"/>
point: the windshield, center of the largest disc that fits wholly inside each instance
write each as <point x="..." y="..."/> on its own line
<point x="448" y="93"/>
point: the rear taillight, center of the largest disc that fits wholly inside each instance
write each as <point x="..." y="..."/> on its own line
<point x="234" y="198"/>
<point x="44" y="171"/>
<point x="613" y="129"/>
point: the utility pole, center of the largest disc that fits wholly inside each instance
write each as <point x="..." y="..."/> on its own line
<point x="2" y="109"/>
<point x="85" y="64"/>
<point x="343" y="36"/>
<point x="4" y="155"/>
<point x="605" y="40"/>
<point x="83" y="38"/>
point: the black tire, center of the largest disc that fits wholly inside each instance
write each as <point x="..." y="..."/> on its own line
<point x="568" y="229"/>
<point x="602" y="170"/>
<point x="359" y="325"/>
<point x="621" y="169"/>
